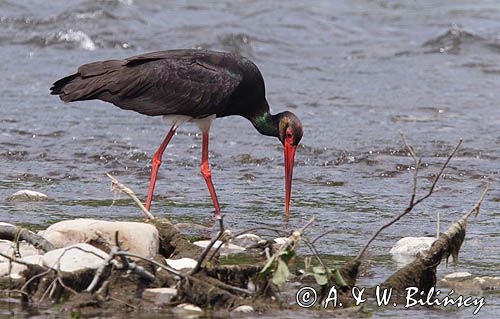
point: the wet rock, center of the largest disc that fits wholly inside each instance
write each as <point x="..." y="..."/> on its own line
<point x="139" y="238"/>
<point x="243" y="309"/>
<point x="159" y="296"/>
<point x="74" y="258"/>
<point x="247" y="240"/>
<point x="488" y="282"/>
<point x="8" y="248"/>
<point x="407" y="248"/>
<point x="226" y="249"/>
<point x="282" y="240"/>
<point x="182" y="263"/>
<point x="13" y="269"/>
<point x="463" y="281"/>
<point x="27" y="195"/>
<point x="458" y="276"/>
<point x="6" y="224"/>
<point x="187" y="310"/>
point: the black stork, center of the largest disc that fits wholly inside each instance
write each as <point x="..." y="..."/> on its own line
<point x="186" y="85"/>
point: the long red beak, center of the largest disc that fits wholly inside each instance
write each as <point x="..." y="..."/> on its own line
<point x="289" y="157"/>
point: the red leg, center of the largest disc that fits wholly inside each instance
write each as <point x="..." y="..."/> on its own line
<point x="205" y="171"/>
<point x="157" y="163"/>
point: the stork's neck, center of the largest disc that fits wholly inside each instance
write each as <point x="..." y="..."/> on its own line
<point x="266" y="124"/>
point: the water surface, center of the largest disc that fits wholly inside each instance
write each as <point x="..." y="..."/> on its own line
<point x="356" y="73"/>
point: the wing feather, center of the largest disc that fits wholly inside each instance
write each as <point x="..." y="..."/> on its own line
<point x="159" y="83"/>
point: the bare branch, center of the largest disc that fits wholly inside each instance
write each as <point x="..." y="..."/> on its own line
<point x="15" y="260"/>
<point x="477" y="205"/>
<point x="412" y="203"/>
<point x="205" y="252"/>
<point x="431" y="190"/>
<point x="309" y="223"/>
<point x="12" y="232"/>
<point x="121" y="187"/>
<point x="417" y="161"/>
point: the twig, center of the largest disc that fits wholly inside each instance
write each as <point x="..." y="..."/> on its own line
<point x="431" y="190"/>
<point x="413" y="203"/>
<point x="186" y="276"/>
<point x="16" y="260"/>
<point x="154" y="262"/>
<point x="116" y="184"/>
<point x="339" y="280"/>
<point x="417" y="161"/>
<point x="309" y="223"/>
<point x="101" y="268"/>
<point x="477" y="205"/>
<point x="323" y="234"/>
<point x="23" y="288"/>
<point x="204" y="254"/>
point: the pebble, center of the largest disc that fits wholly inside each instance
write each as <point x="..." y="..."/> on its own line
<point x="159" y="296"/>
<point x="282" y="240"/>
<point x="15" y="271"/>
<point x="27" y="195"/>
<point x="226" y="249"/>
<point x="188" y="311"/>
<point x="73" y="259"/>
<point x="182" y="263"/>
<point x="407" y="248"/>
<point x="458" y="276"/>
<point x="244" y="309"/>
<point x="247" y="240"/>
<point x="7" y="248"/>
<point x="464" y="282"/>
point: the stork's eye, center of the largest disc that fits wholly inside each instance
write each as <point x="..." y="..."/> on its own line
<point x="289" y="135"/>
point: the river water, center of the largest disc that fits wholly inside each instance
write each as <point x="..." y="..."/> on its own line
<point x="357" y="73"/>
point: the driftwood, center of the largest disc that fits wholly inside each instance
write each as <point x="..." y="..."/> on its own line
<point x="14" y="233"/>
<point x="421" y="273"/>
<point x="351" y="268"/>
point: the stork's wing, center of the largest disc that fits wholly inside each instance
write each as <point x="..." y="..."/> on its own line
<point x="159" y="83"/>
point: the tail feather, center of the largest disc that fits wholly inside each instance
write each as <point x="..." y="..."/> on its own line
<point x="87" y="83"/>
<point x="58" y="86"/>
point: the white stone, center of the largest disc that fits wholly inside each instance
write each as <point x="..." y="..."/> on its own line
<point x="7" y="248"/>
<point x="183" y="263"/>
<point x="282" y="240"/>
<point x="458" y="276"/>
<point x="74" y="258"/>
<point x="247" y="240"/>
<point x="6" y="224"/>
<point x="243" y="309"/>
<point x="159" y="295"/>
<point x="33" y="260"/>
<point x="251" y="237"/>
<point x="187" y="307"/>
<point x="407" y="248"/>
<point x="139" y="238"/>
<point x="488" y="282"/>
<point x="15" y="271"/>
<point x="226" y="249"/>
<point x="28" y="195"/>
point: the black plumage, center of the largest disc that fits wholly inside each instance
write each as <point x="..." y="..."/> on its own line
<point x="196" y="83"/>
